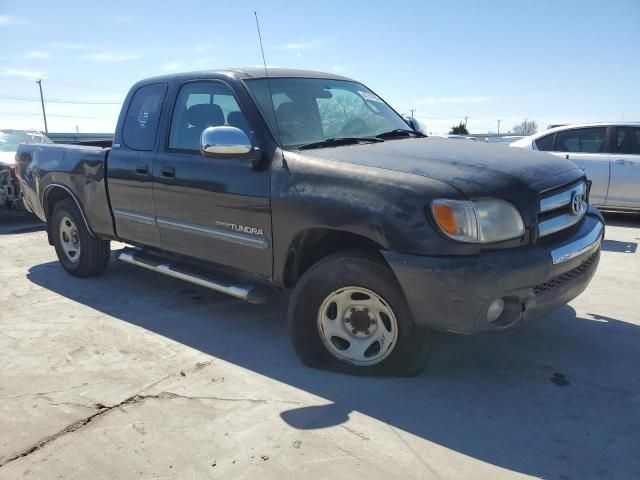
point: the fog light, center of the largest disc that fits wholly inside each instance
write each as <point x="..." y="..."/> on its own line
<point x="495" y="310"/>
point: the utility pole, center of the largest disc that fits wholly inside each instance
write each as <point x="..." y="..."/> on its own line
<point x="465" y="122"/>
<point x="412" y="110"/>
<point x="44" y="114"/>
<point x="498" y="126"/>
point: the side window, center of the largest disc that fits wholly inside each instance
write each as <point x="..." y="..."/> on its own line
<point x="627" y="140"/>
<point x="201" y="105"/>
<point x="585" y="140"/>
<point x="546" y="143"/>
<point x="141" y="124"/>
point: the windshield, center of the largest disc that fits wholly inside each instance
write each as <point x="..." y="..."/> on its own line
<point x="311" y="110"/>
<point x="9" y="140"/>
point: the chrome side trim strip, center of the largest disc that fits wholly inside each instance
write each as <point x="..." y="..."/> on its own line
<point x="586" y="244"/>
<point x="135" y="216"/>
<point x="561" y="199"/>
<point x="238" y="238"/>
<point x="75" y="199"/>
<point x="237" y="291"/>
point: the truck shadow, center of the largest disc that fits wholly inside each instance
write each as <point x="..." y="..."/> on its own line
<point x="619" y="247"/>
<point x="557" y="399"/>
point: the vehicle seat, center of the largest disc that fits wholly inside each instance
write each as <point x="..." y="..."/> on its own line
<point x="296" y="124"/>
<point x="200" y="117"/>
<point x="237" y="119"/>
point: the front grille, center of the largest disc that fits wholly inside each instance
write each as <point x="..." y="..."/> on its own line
<point x="562" y="208"/>
<point x="564" y="278"/>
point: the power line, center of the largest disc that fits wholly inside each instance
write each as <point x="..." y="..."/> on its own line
<point x="445" y="116"/>
<point x="57" y="100"/>
<point x="80" y="85"/>
<point x="12" y="114"/>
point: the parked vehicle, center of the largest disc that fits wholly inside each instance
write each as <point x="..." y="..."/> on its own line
<point x="9" y="140"/>
<point x="609" y="153"/>
<point x="459" y="137"/>
<point x="503" y="140"/>
<point x="309" y="181"/>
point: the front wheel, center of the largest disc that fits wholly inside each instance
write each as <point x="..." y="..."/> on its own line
<point x="80" y="253"/>
<point x="348" y="313"/>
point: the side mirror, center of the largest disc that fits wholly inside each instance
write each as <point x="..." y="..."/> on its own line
<point x="417" y="125"/>
<point x="225" y="141"/>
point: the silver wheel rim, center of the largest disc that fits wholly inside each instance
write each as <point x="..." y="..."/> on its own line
<point x="70" y="239"/>
<point x="357" y="326"/>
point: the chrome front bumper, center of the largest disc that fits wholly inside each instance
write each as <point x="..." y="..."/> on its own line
<point x="581" y="246"/>
<point x="453" y="293"/>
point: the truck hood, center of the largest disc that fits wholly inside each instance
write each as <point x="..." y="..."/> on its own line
<point x="476" y="169"/>
<point x="7" y="159"/>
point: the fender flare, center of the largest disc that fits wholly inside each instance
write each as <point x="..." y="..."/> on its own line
<point x="75" y="199"/>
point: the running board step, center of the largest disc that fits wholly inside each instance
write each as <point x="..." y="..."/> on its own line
<point x="252" y="293"/>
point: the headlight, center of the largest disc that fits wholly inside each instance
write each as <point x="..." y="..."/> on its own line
<point x="482" y="221"/>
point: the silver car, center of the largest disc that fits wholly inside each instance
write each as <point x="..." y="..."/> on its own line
<point x="608" y="152"/>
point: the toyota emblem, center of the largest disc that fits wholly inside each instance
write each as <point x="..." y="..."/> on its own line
<point x="576" y="203"/>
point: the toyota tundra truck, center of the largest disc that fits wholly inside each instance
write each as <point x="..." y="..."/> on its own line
<point x="253" y="182"/>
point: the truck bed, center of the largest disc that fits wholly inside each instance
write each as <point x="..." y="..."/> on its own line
<point x="79" y="171"/>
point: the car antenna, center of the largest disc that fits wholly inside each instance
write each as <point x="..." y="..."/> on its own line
<point x="266" y="73"/>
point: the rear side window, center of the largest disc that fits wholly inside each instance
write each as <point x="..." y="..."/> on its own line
<point x="585" y="140"/>
<point x="546" y="143"/>
<point x="143" y="115"/>
<point x="627" y="140"/>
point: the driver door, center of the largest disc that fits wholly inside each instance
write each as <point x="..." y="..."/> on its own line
<point x="217" y="210"/>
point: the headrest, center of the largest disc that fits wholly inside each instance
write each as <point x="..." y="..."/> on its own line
<point x="627" y="144"/>
<point x="289" y="110"/>
<point x="205" y="115"/>
<point x="237" y="119"/>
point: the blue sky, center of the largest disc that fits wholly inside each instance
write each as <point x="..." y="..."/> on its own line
<point x="551" y="61"/>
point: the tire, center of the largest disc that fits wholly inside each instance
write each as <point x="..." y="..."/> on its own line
<point x="70" y="233"/>
<point x="346" y="278"/>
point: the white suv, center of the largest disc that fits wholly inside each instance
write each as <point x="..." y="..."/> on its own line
<point x="609" y="153"/>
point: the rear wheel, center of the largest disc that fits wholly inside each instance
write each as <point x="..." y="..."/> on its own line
<point x="80" y="253"/>
<point x="348" y="313"/>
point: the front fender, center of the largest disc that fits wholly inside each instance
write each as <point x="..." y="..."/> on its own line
<point x="385" y="207"/>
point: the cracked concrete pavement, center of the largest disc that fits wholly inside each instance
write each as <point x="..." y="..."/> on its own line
<point x="132" y="375"/>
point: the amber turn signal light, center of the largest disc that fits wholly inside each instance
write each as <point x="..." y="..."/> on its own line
<point x="445" y="217"/>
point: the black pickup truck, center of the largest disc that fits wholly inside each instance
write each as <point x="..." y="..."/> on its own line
<point x="251" y="184"/>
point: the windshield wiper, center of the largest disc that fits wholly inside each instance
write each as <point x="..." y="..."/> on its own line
<point x="400" y="133"/>
<point x="339" y="141"/>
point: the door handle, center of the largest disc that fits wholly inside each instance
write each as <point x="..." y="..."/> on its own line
<point x="142" y="169"/>
<point x="623" y="162"/>
<point x="169" y="172"/>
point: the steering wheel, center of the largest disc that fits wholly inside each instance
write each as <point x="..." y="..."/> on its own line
<point x="355" y="125"/>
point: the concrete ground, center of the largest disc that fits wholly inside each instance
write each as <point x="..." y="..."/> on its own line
<point x="133" y="375"/>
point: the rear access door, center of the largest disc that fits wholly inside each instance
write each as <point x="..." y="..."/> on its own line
<point x="130" y="165"/>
